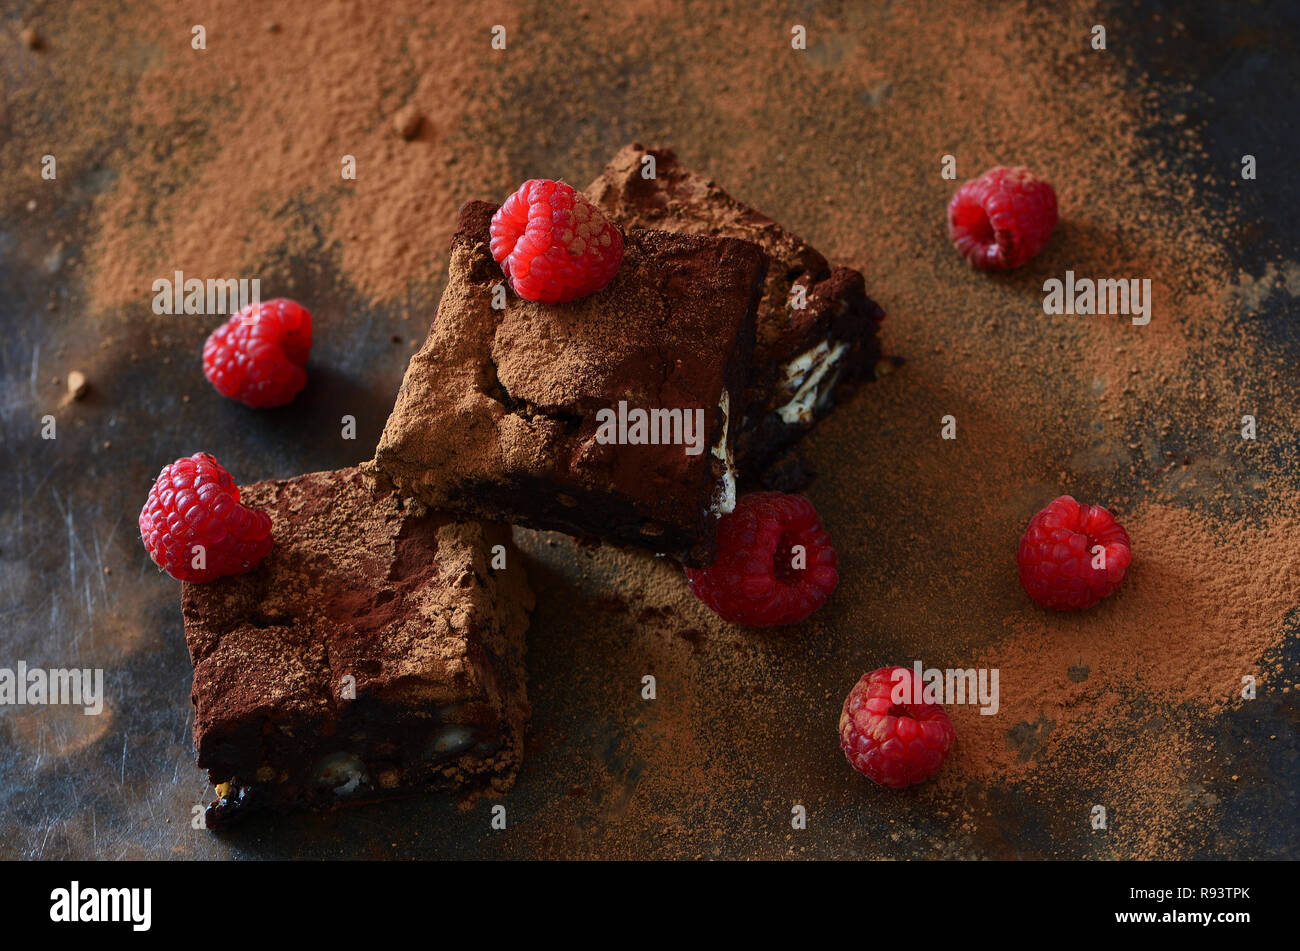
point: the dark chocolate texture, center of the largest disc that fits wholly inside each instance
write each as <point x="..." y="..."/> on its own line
<point x="498" y="415"/>
<point x="805" y="358"/>
<point x="374" y="653"/>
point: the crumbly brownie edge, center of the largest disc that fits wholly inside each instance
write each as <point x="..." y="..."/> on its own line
<point x="423" y="746"/>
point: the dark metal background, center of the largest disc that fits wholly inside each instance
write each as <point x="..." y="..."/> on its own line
<point x="122" y="785"/>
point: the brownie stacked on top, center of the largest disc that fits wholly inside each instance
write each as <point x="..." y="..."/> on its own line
<point x="716" y="310"/>
<point x="500" y="413"/>
<point x="378" y="650"/>
<point x="817" y="330"/>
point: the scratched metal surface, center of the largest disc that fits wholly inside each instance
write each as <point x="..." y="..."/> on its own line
<point x="76" y="587"/>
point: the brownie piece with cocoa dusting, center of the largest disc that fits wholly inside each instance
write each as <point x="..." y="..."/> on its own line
<point x="376" y="652"/>
<point x="806" y="358"/>
<point x="609" y="416"/>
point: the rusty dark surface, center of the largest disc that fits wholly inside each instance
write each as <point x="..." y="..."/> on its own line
<point x="123" y="785"/>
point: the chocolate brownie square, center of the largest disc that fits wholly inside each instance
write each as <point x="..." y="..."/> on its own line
<point x="608" y="417"/>
<point x="377" y="651"/>
<point x="807" y="357"/>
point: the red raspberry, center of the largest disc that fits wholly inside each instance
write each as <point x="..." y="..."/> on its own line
<point x="195" y="502"/>
<point x="258" y="356"/>
<point x="1003" y="218"/>
<point x="553" y="244"/>
<point x="1059" y="566"/>
<point x="895" y="744"/>
<point x="754" y="580"/>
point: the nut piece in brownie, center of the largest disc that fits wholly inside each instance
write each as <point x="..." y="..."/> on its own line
<point x="609" y="417"/>
<point x="376" y="652"/>
<point x="805" y="358"/>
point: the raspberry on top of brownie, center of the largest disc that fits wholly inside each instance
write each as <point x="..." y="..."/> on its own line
<point x="505" y="412"/>
<point x="817" y="330"/>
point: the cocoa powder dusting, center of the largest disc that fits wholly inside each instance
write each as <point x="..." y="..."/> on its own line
<point x="1117" y="706"/>
<point x="231" y="167"/>
<point x="1135" y="705"/>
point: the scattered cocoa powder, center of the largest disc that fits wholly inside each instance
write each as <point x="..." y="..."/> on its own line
<point x="1130" y="705"/>
<point x="229" y="168"/>
<point x="1118" y="706"/>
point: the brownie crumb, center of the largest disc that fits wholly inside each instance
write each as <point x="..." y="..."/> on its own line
<point x="78" y="385"/>
<point x="407" y="122"/>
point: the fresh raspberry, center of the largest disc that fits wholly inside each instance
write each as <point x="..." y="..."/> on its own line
<point x="195" y="502"/>
<point x="1003" y="218"/>
<point x="553" y="244"/>
<point x="259" y="355"/>
<point x="895" y="744"/>
<point x="1060" y="565"/>
<point x="757" y="578"/>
